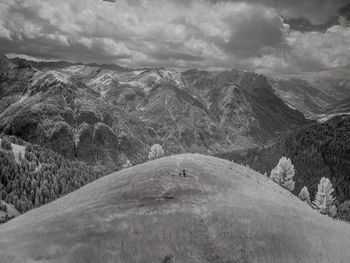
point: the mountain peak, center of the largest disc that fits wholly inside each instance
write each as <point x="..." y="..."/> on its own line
<point x="49" y="81"/>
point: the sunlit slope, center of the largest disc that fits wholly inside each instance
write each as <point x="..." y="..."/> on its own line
<point x="219" y="212"/>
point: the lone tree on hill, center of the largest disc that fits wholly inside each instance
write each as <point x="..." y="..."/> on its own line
<point x="283" y="173"/>
<point x="304" y="195"/>
<point x="155" y="152"/>
<point x="324" y="200"/>
<point x="127" y="164"/>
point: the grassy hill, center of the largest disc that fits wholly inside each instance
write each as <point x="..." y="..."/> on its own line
<point x="219" y="212"/>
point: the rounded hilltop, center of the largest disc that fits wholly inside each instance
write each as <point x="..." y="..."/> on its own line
<point x="219" y="212"/>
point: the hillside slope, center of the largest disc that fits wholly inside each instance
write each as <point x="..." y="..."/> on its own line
<point x="319" y="150"/>
<point x="219" y="212"/>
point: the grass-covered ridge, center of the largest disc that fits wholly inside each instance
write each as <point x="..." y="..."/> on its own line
<point x="219" y="212"/>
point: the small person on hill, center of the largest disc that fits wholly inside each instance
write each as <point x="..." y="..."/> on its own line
<point x="168" y="259"/>
<point x="183" y="174"/>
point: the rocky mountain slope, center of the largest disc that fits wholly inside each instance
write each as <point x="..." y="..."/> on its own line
<point x="105" y="114"/>
<point x="313" y="98"/>
<point x="219" y="212"/>
<point x="338" y="109"/>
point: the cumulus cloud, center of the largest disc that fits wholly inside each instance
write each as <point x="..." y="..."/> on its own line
<point x="326" y="50"/>
<point x="205" y="33"/>
<point x="310" y="52"/>
<point x="140" y="32"/>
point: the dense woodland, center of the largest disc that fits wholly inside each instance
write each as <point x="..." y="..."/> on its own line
<point x="40" y="176"/>
<point x="318" y="150"/>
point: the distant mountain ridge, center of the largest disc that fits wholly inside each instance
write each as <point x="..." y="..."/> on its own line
<point x="98" y="114"/>
<point x="315" y="98"/>
<point x="61" y="64"/>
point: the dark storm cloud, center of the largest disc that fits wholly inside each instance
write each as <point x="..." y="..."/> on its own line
<point x="305" y="25"/>
<point x="345" y="12"/>
<point x="317" y="11"/>
<point x="202" y="33"/>
<point x="256" y="34"/>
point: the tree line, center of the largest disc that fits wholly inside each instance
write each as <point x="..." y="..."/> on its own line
<point x="316" y="151"/>
<point x="283" y="174"/>
<point x="40" y="176"/>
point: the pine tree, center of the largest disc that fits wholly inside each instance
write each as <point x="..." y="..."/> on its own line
<point x="155" y="152"/>
<point x="3" y="195"/>
<point x="127" y="164"/>
<point x="324" y="200"/>
<point x="37" y="199"/>
<point x="304" y="195"/>
<point x="283" y="173"/>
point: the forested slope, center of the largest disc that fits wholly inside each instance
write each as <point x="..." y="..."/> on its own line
<point x="318" y="150"/>
<point x="39" y="176"/>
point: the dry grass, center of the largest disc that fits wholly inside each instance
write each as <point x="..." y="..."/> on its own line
<point x="219" y="212"/>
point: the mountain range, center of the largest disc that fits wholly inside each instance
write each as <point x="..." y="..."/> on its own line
<point x="100" y="117"/>
<point x="110" y="114"/>
<point x="313" y="97"/>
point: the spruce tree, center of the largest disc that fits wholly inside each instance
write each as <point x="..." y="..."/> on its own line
<point x="304" y="195"/>
<point x="155" y="152"/>
<point x="324" y="200"/>
<point x="283" y="174"/>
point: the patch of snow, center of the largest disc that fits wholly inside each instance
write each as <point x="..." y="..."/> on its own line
<point x="23" y="98"/>
<point x="290" y="106"/>
<point x="323" y="118"/>
<point x="51" y="75"/>
<point x="102" y="83"/>
<point x="18" y="150"/>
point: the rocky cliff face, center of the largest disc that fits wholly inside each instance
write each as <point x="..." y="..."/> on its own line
<point x="107" y="115"/>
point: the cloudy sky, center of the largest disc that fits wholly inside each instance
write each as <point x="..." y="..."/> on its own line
<point x="277" y="37"/>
